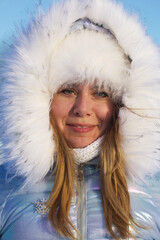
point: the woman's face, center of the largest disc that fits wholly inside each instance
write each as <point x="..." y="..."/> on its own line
<point x="82" y="113"/>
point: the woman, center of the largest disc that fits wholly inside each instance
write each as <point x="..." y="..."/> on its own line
<point x="80" y="100"/>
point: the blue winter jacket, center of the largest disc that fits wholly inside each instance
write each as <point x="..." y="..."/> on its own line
<point x="23" y="216"/>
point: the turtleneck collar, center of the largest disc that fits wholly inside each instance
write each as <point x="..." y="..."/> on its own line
<point x="82" y="155"/>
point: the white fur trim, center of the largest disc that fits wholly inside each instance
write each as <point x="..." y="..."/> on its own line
<point x="86" y="55"/>
<point x="30" y="83"/>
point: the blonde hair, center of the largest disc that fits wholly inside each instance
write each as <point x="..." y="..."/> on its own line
<point x="114" y="189"/>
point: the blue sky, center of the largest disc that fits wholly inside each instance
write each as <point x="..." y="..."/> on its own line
<point x="15" y="12"/>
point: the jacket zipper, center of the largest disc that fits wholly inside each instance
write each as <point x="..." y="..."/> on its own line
<point x="81" y="214"/>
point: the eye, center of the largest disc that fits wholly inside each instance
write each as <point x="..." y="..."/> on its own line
<point x="101" y="94"/>
<point x="67" y="91"/>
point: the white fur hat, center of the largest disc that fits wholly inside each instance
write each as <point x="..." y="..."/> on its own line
<point x="50" y="53"/>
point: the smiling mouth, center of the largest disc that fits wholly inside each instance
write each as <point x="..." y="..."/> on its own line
<point x="81" y="125"/>
<point x="81" y="128"/>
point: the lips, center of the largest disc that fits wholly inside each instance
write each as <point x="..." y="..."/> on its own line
<point x="81" y="128"/>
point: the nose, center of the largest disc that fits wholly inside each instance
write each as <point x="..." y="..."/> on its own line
<point x="82" y="106"/>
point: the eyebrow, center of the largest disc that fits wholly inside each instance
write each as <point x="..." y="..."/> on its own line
<point x="98" y="87"/>
<point x="70" y="85"/>
<point x="75" y="85"/>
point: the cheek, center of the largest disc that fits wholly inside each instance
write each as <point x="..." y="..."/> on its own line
<point x="59" y="110"/>
<point x="105" y="114"/>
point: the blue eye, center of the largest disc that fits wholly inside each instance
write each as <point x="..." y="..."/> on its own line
<point x="101" y="94"/>
<point x="67" y="91"/>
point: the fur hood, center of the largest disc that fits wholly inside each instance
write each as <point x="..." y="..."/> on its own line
<point x="32" y="76"/>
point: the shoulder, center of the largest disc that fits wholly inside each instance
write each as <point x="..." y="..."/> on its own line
<point x="3" y="183"/>
<point x="144" y="209"/>
<point x="19" y="205"/>
<point x="4" y="190"/>
<point x="8" y="185"/>
<point x="153" y="184"/>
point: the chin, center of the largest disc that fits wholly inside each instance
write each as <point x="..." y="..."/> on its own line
<point x="81" y="143"/>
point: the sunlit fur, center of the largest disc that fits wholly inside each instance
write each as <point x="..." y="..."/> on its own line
<point x="29" y="85"/>
<point x="114" y="189"/>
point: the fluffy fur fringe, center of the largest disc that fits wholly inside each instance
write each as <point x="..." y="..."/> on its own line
<point x="30" y="81"/>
